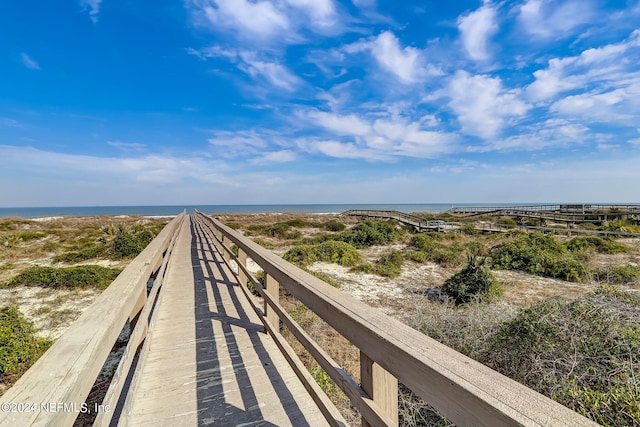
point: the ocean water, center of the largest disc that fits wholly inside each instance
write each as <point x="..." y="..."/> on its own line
<point x="40" y="212"/>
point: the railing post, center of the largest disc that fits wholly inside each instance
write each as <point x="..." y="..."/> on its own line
<point x="223" y="251"/>
<point x="272" y="287"/>
<point x="381" y="386"/>
<point x="242" y="260"/>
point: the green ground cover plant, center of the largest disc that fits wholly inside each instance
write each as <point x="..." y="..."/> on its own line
<point x="372" y="232"/>
<point x="19" y="346"/>
<point x="388" y="265"/>
<point x="539" y="254"/>
<point x="603" y="245"/>
<point x="331" y="251"/>
<point x="619" y="274"/>
<point x="434" y="249"/>
<point x="334" y="225"/>
<point x="81" y="276"/>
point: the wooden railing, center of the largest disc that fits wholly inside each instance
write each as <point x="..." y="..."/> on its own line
<point x="463" y="390"/>
<point x="580" y="209"/>
<point x="421" y="224"/>
<point x="54" y="390"/>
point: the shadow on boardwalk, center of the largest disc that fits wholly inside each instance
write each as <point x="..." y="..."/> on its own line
<point x="229" y="384"/>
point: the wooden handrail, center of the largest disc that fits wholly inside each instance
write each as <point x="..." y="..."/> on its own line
<point x="463" y="390"/>
<point x="422" y="224"/>
<point x="54" y="390"/>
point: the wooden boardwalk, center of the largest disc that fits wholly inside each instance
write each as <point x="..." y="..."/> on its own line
<point x="206" y="360"/>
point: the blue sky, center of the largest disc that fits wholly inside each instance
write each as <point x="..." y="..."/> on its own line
<point x="134" y="102"/>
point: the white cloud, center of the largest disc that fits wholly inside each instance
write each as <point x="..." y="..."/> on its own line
<point x="407" y="64"/>
<point x="283" y="156"/>
<point x="376" y="136"/>
<point x="546" y="19"/>
<point x="609" y="65"/>
<point x="619" y="104"/>
<point x="127" y="146"/>
<point x="149" y="169"/>
<point x="341" y="124"/>
<point x="482" y="105"/>
<point x="28" y="62"/>
<point x="476" y="28"/>
<point x="321" y="14"/>
<point x="273" y="72"/>
<point x="241" y="143"/>
<point x="548" y="133"/>
<point x="255" y="20"/>
<point x="93" y="6"/>
<point x="340" y="150"/>
<point x="250" y="62"/>
<point x="267" y="21"/>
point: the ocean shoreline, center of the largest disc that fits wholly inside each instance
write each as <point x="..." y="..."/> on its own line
<point x="172" y="210"/>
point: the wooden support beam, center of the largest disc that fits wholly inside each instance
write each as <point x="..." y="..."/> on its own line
<point x="381" y="386"/>
<point x="242" y="260"/>
<point x="272" y="287"/>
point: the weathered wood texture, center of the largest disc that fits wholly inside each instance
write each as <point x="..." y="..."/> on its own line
<point x="67" y="371"/>
<point x="206" y="360"/>
<point x="462" y="389"/>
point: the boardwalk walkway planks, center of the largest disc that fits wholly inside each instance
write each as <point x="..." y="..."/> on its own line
<point x="206" y="360"/>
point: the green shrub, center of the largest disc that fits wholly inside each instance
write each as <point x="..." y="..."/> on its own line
<point x="81" y="276"/>
<point x="539" y="254"/>
<point x="446" y="256"/>
<point x="436" y="251"/>
<point x="301" y="255"/>
<point x="372" y="232"/>
<point x="331" y="251"/>
<point x="474" y="282"/>
<point x="334" y="225"/>
<point x="603" y="245"/>
<point x="620" y="274"/>
<point x="338" y="252"/>
<point x="417" y="256"/>
<point x="423" y="242"/>
<point x="19" y="347"/>
<point x="582" y="353"/>
<point x="297" y="222"/>
<point x="617" y="226"/>
<point x="390" y="265"/>
<point x="94" y="251"/>
<point x="281" y="230"/>
<point x="233" y="225"/>
<point x="130" y="241"/>
<point x="364" y="268"/>
<point x="469" y="229"/>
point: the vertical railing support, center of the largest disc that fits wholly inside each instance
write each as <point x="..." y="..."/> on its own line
<point x="272" y="287"/>
<point x="381" y="386"/>
<point x="225" y="254"/>
<point x="242" y="260"/>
